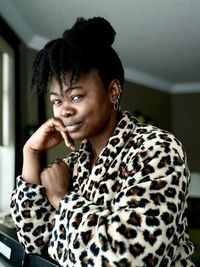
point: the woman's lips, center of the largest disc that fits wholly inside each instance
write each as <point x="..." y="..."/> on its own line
<point x="73" y="127"/>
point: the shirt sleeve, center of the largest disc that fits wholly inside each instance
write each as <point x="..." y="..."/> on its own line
<point x="144" y="224"/>
<point x="32" y="214"/>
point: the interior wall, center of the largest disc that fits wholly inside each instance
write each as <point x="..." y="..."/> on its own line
<point x="26" y="103"/>
<point x="150" y="102"/>
<point x="186" y="125"/>
<point x="178" y="113"/>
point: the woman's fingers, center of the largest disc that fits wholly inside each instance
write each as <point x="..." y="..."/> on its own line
<point x="56" y="178"/>
<point x="58" y="126"/>
<point x="50" y="134"/>
<point x="55" y="123"/>
<point x="68" y="141"/>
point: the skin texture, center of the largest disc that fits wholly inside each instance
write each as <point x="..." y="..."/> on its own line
<point x="83" y="110"/>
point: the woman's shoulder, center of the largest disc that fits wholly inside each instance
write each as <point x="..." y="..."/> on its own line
<point x="152" y="131"/>
<point x="153" y="136"/>
<point x="147" y="131"/>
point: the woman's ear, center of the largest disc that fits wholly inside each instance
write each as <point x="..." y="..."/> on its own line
<point x="114" y="90"/>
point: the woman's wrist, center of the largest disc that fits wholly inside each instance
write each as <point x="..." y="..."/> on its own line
<point x="31" y="165"/>
<point x="27" y="149"/>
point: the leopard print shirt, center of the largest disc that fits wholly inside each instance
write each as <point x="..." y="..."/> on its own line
<point x="128" y="210"/>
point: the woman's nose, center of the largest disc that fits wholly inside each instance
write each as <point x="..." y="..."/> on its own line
<point x="67" y="110"/>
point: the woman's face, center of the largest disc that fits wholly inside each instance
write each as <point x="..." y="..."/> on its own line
<point x="85" y="107"/>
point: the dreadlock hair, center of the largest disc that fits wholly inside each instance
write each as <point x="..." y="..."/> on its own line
<point x="86" y="46"/>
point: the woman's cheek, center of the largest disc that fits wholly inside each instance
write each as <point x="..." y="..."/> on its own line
<point x="56" y="112"/>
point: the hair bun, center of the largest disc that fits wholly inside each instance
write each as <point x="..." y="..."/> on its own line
<point x="93" y="33"/>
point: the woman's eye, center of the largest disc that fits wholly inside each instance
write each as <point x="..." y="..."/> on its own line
<point x="76" y="98"/>
<point x="56" y="102"/>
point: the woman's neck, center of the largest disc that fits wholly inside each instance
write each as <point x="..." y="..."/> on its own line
<point x="99" y="142"/>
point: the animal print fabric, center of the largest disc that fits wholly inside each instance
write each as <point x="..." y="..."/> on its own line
<point x="128" y="210"/>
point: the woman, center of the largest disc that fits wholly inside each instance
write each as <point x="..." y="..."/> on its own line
<point x="120" y="199"/>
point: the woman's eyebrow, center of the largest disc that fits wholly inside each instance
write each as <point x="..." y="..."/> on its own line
<point x="67" y="90"/>
<point x="54" y="93"/>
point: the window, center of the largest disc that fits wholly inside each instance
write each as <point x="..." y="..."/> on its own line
<point x="7" y="123"/>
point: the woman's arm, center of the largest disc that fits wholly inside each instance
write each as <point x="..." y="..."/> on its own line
<point x="49" y="134"/>
<point x="31" y="165"/>
<point x="32" y="214"/>
<point x="31" y="206"/>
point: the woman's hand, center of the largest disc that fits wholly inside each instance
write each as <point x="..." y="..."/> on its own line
<point x="50" y="134"/>
<point x="56" y="178"/>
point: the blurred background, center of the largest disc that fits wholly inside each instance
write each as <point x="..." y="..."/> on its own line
<point x="158" y="43"/>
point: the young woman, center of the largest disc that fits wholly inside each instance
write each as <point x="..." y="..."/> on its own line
<point x="118" y="200"/>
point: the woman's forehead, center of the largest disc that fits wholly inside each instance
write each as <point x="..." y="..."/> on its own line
<point x="61" y="85"/>
<point x="67" y="82"/>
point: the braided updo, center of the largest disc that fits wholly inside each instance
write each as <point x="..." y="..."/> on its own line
<point x="86" y="46"/>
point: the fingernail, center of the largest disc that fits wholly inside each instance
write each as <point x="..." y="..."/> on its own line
<point x="72" y="147"/>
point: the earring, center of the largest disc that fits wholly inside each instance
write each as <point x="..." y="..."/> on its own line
<point x="116" y="104"/>
<point x="116" y="101"/>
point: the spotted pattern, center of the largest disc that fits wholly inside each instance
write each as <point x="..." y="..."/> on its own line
<point x="128" y="210"/>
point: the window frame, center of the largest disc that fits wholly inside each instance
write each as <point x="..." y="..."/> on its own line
<point x="7" y="148"/>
